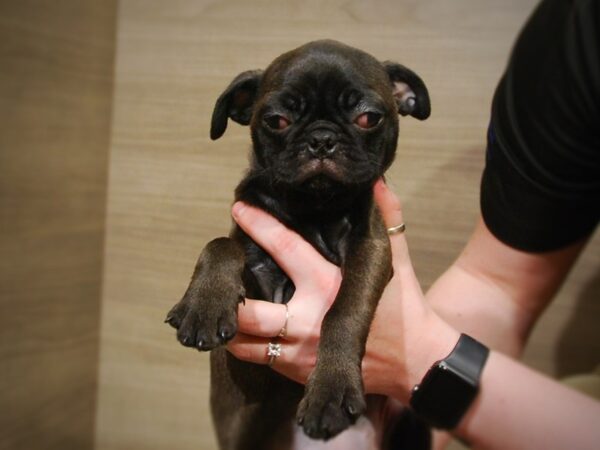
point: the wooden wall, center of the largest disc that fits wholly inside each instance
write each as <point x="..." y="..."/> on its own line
<point x="170" y="187"/>
<point x="56" y="67"/>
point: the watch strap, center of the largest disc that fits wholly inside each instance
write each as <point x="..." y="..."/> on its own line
<point x="469" y="356"/>
<point x="451" y="384"/>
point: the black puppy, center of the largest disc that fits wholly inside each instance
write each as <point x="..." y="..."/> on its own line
<point x="324" y="124"/>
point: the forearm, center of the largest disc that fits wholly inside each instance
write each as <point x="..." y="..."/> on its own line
<point x="519" y="408"/>
<point x="496" y="293"/>
<point x="515" y="408"/>
<point x="480" y="309"/>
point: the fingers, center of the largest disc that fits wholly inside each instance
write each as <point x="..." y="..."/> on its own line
<point x="293" y="254"/>
<point x="250" y="348"/>
<point x="296" y="361"/>
<point x="261" y="318"/>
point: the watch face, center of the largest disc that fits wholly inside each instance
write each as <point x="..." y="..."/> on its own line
<point x="445" y="392"/>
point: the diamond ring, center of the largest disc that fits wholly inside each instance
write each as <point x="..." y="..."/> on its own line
<point x="273" y="352"/>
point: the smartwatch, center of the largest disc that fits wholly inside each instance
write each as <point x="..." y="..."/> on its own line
<point x="451" y="384"/>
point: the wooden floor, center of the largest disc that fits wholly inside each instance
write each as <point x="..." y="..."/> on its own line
<point x="170" y="188"/>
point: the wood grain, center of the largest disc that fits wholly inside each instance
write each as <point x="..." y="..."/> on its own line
<point x="56" y="67"/>
<point x="170" y="187"/>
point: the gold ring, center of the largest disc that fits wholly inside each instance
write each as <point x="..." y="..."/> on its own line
<point x="398" y="229"/>
<point x="283" y="330"/>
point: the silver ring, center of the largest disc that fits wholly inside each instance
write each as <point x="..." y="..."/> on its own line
<point x="273" y="352"/>
<point x="283" y="330"/>
<point x="398" y="229"/>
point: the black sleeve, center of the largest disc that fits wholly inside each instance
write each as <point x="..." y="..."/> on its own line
<point x="540" y="189"/>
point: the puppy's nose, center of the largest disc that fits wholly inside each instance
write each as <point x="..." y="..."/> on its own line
<point x="322" y="143"/>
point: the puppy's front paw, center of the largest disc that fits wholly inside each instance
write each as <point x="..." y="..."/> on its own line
<point x="206" y="318"/>
<point x="331" y="403"/>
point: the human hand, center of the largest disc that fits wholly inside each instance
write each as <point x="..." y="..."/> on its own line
<point x="406" y="336"/>
<point x="317" y="282"/>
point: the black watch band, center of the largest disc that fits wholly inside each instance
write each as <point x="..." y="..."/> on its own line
<point x="451" y="384"/>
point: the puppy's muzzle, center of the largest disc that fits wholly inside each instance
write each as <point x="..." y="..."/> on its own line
<point x="322" y="143"/>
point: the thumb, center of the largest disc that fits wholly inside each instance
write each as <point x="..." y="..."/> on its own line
<point x="391" y="211"/>
<point x="389" y="204"/>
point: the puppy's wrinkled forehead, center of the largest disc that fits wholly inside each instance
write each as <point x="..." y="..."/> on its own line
<point x="325" y="66"/>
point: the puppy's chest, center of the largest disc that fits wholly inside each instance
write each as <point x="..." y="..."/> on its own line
<point x="331" y="239"/>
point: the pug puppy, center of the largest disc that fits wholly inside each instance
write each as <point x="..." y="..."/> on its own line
<point x="324" y="125"/>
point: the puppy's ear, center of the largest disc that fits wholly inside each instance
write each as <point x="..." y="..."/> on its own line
<point x="236" y="102"/>
<point x="409" y="90"/>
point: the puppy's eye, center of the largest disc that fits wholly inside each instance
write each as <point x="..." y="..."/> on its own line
<point x="368" y="120"/>
<point x="276" y="122"/>
<point x="350" y="99"/>
<point x="291" y="103"/>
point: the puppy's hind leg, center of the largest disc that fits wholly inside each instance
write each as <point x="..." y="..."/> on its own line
<point x="206" y="316"/>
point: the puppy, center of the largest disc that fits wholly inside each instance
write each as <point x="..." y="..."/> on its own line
<point x="324" y="126"/>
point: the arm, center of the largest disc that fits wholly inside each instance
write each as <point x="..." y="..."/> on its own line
<point x="496" y="293"/>
<point x="515" y="406"/>
<point x="498" y="303"/>
<point x="520" y="408"/>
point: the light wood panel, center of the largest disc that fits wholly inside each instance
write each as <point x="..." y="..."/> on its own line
<point x="170" y="186"/>
<point x="56" y="67"/>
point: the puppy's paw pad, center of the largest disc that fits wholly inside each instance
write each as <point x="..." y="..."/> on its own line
<point x="205" y="321"/>
<point x="213" y="333"/>
<point x="324" y="413"/>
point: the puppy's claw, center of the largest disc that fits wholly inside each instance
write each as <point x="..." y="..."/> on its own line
<point x="168" y="319"/>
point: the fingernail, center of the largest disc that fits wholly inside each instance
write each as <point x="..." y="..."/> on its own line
<point x="380" y="184"/>
<point x="238" y="209"/>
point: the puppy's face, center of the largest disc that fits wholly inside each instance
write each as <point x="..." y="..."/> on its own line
<point x="322" y="115"/>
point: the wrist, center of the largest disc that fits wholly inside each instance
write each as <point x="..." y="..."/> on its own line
<point x="451" y="385"/>
<point x="435" y="343"/>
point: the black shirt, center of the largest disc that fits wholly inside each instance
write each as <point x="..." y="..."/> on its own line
<point x="541" y="186"/>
